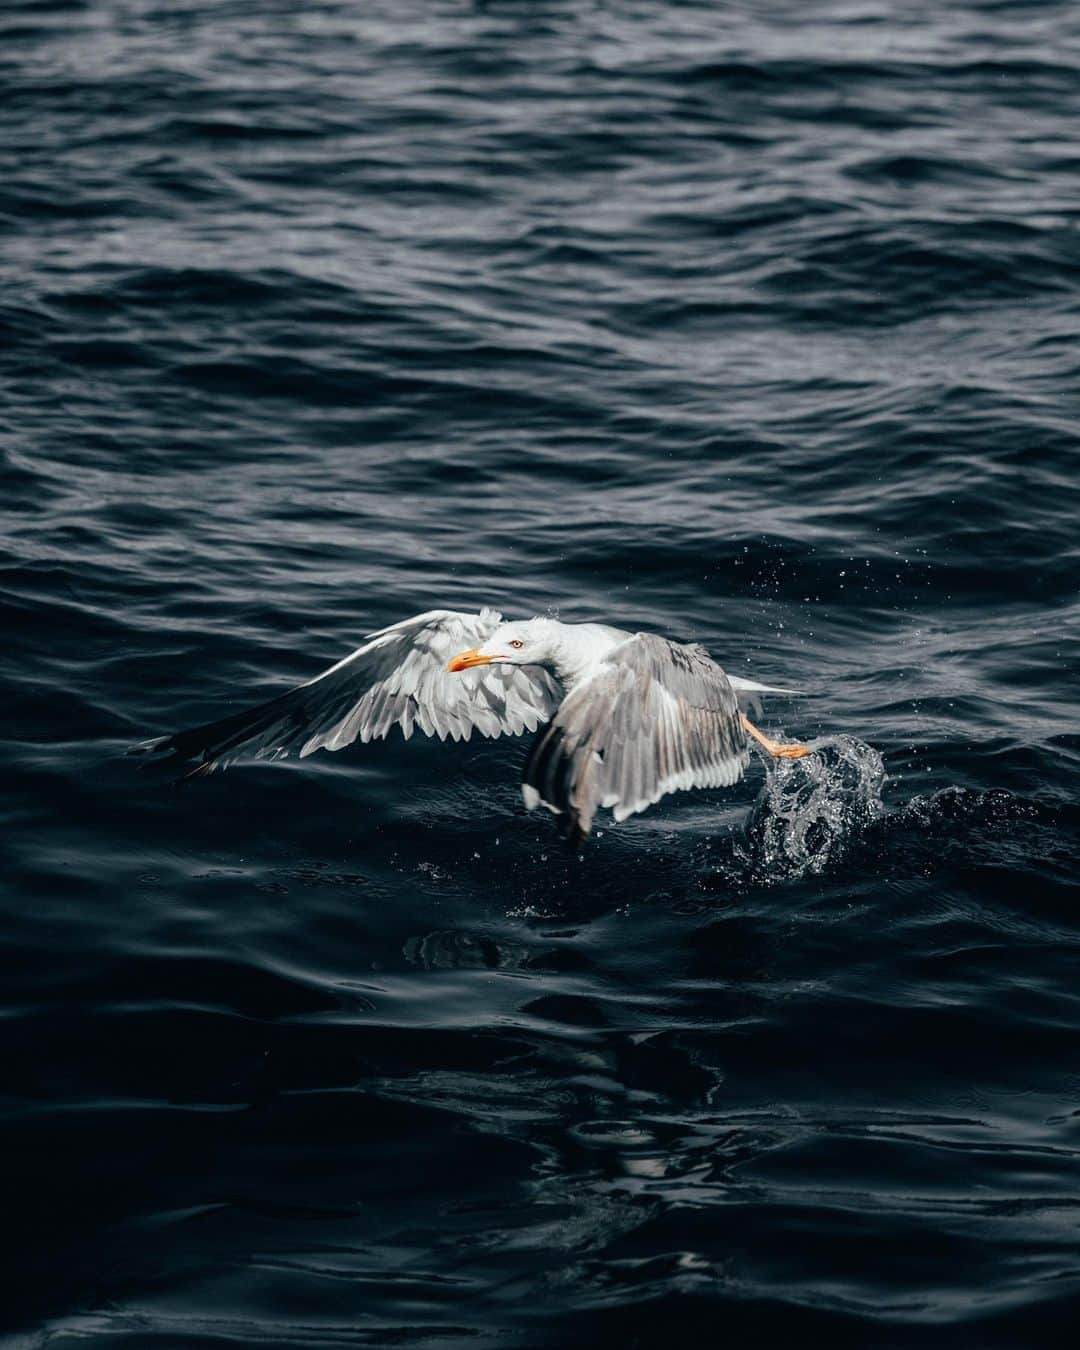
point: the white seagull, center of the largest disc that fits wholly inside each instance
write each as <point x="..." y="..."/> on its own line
<point x="623" y="717"/>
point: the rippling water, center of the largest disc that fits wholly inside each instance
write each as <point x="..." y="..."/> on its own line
<point x="750" y="324"/>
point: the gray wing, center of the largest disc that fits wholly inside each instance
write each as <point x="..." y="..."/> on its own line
<point x="656" y="718"/>
<point x="397" y="678"/>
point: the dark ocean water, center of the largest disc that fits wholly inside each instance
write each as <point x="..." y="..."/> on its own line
<point x="755" y="325"/>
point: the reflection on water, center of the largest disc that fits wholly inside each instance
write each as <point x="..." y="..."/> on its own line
<point x="457" y="950"/>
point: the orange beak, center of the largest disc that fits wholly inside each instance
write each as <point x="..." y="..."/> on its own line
<point x="464" y="660"/>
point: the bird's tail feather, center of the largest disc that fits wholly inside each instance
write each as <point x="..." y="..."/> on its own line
<point x="753" y="687"/>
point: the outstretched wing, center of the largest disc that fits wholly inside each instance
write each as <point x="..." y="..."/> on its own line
<point x="657" y="717"/>
<point x="397" y="678"/>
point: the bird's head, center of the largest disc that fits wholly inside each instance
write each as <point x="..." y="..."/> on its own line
<point x="515" y="644"/>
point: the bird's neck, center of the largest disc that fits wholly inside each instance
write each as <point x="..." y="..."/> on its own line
<point x="579" y="649"/>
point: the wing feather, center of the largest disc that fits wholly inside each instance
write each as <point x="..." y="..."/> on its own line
<point x="397" y="678"/>
<point x="657" y="717"/>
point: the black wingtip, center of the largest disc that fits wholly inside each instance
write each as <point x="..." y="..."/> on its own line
<point x="157" y="745"/>
<point x="168" y="752"/>
<point x="156" y="752"/>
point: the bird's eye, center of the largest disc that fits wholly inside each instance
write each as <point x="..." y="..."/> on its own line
<point x="517" y="642"/>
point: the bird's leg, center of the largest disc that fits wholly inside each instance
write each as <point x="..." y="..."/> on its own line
<point x="795" y="751"/>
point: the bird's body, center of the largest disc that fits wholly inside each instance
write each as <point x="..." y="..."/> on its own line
<point x="622" y="718"/>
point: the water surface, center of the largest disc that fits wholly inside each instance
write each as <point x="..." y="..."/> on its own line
<point x="754" y="325"/>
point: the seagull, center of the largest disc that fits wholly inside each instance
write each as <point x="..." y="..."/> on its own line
<point x="620" y="718"/>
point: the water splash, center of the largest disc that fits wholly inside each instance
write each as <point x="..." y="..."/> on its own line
<point x="810" y="809"/>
